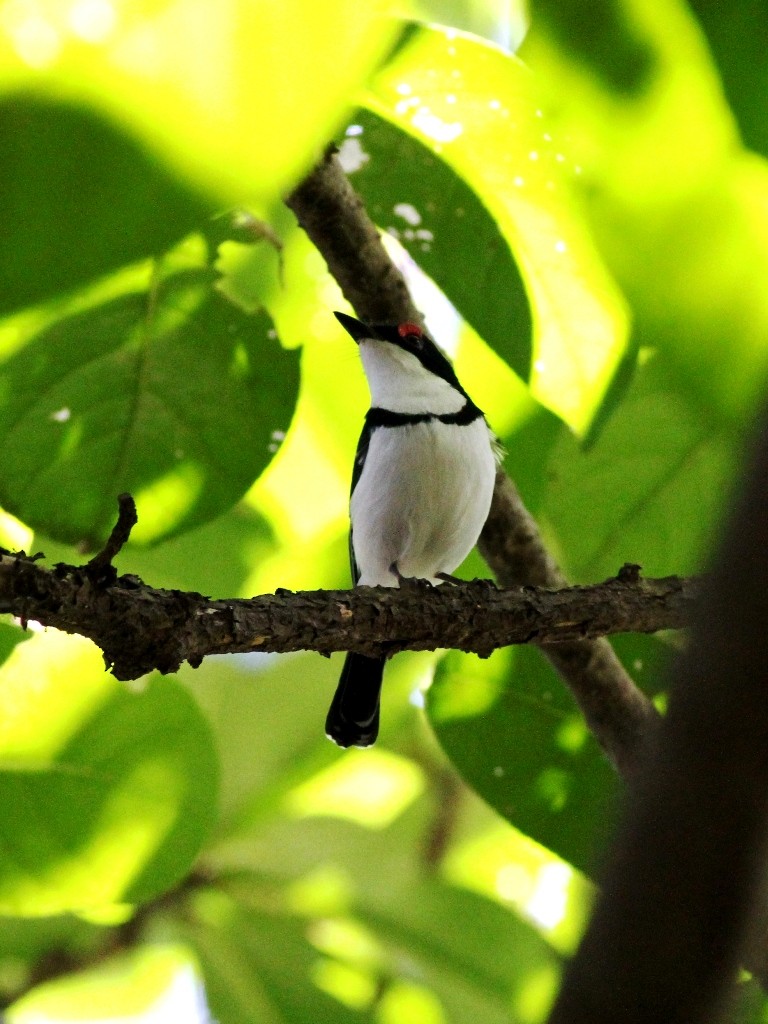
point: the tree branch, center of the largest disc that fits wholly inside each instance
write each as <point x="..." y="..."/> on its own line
<point x="334" y="217"/>
<point x="140" y="628"/>
<point x="617" y="712"/>
<point x="619" y="715"/>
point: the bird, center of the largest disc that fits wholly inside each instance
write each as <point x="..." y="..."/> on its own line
<point x="422" y="484"/>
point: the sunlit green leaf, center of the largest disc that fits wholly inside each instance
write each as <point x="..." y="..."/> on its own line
<point x="521" y="976"/>
<point x="78" y="198"/>
<point x="471" y="103"/>
<point x="344" y="966"/>
<point x="126" y="985"/>
<point x="215" y="559"/>
<point x="106" y="795"/>
<point x="172" y="393"/>
<point x="10" y="636"/>
<point x="272" y="705"/>
<point x="502" y="23"/>
<point x="259" y="965"/>
<point x="650" y="491"/>
<point x="514" y="733"/>
<point x="677" y="208"/>
<point x="415" y="196"/>
<point x="606" y="37"/>
<point x="213" y="87"/>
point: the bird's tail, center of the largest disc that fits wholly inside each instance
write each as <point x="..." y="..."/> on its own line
<point x="353" y="717"/>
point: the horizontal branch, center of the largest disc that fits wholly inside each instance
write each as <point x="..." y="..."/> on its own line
<point x="140" y="628"/>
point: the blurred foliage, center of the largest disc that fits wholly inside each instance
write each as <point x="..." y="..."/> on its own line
<point x="114" y="398"/>
<point x="211" y="87"/>
<point x="588" y="235"/>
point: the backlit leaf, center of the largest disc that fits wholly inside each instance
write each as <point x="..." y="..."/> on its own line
<point x="172" y="393"/>
<point x="417" y="197"/>
<point x="79" y="198"/>
<point x="651" y="490"/>
<point x="677" y="207"/>
<point x="514" y="733"/>
<point x="105" y="795"/>
<point x="237" y="96"/>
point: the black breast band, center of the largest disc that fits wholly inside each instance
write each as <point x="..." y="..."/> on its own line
<point x="377" y="417"/>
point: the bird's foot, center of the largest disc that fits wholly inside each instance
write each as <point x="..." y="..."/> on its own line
<point x="484" y="583"/>
<point x="409" y="582"/>
<point x="479" y="584"/>
<point x="447" y="578"/>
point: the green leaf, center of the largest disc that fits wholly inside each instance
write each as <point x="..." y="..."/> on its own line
<point x="421" y="201"/>
<point x="506" y="25"/>
<point x="470" y="103"/>
<point x="238" y="97"/>
<point x="650" y="491"/>
<point x="172" y="394"/>
<point x="677" y="207"/>
<point x="79" y="198"/>
<point x="258" y="966"/>
<point x="448" y="932"/>
<point x="34" y="937"/>
<point x="751" y="1004"/>
<point x="735" y="35"/>
<point x="515" y="735"/>
<point x="105" y="795"/>
<point x="429" y="946"/>
<point x="215" y="559"/>
<point x="10" y="636"/>
<point x="275" y="705"/>
<point x="131" y="986"/>
<point x="605" y="37"/>
<point x="526" y="454"/>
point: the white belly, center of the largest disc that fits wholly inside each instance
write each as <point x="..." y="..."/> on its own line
<point x="421" y="500"/>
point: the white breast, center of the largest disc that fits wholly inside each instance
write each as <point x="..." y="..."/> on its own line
<point x="421" y="500"/>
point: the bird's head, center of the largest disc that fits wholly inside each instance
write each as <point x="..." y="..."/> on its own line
<point x="406" y="370"/>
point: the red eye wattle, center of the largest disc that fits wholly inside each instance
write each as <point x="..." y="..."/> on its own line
<point x="409" y="331"/>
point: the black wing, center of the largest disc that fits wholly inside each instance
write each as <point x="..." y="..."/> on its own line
<point x="360" y="456"/>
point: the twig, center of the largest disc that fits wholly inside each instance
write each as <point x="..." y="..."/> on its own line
<point x="100" y="564"/>
<point x="333" y="215"/>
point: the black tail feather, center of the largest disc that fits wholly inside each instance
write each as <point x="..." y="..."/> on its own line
<point x="353" y="717"/>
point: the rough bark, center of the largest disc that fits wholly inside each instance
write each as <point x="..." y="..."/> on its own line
<point x="140" y="628"/>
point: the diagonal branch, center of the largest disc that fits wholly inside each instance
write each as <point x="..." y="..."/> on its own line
<point x="140" y="628"/>
<point x="617" y="712"/>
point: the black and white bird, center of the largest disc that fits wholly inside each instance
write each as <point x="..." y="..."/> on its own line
<point x="421" y="490"/>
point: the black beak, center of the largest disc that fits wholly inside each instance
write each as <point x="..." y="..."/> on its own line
<point x="356" y="328"/>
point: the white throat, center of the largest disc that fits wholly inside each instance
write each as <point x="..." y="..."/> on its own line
<point x="399" y="382"/>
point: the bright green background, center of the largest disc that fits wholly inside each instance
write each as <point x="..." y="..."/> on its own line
<point x="592" y="240"/>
